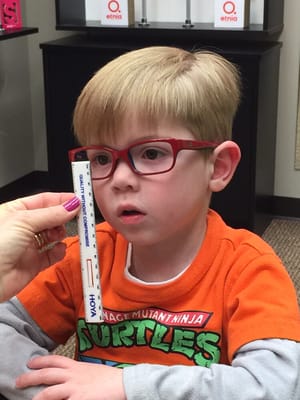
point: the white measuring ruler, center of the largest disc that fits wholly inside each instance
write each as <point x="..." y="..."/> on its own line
<point x="90" y="269"/>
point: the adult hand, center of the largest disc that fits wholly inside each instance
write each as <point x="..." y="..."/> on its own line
<point x="70" y="379"/>
<point x="20" y="221"/>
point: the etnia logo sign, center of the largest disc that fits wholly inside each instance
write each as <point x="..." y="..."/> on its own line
<point x="117" y="12"/>
<point x="232" y="14"/>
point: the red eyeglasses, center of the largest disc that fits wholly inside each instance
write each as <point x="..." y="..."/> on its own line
<point x="147" y="157"/>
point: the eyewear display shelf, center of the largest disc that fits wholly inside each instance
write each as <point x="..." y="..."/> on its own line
<point x="70" y="62"/>
<point x="70" y="15"/>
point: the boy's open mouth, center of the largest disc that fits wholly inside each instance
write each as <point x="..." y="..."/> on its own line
<point x="131" y="212"/>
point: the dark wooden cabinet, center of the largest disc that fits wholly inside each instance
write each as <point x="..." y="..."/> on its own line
<point x="70" y="62"/>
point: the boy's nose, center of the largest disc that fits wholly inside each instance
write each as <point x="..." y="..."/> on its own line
<point x="123" y="176"/>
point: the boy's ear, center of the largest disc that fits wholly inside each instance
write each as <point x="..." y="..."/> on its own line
<point x="225" y="159"/>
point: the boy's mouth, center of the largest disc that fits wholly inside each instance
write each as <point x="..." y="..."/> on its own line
<point x="130" y="212"/>
<point x="130" y="215"/>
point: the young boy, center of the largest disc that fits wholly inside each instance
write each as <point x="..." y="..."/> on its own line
<point x="193" y="308"/>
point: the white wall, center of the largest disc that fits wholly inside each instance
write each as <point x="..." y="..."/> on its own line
<point x="22" y="116"/>
<point x="42" y="15"/>
<point x="287" y="179"/>
<point x="16" y="141"/>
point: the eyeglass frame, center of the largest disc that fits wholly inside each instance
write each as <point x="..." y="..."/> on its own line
<point x="123" y="154"/>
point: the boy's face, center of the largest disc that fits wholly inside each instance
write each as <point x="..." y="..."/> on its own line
<point x="148" y="209"/>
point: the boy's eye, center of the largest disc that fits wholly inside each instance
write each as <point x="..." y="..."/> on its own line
<point x="152" y="154"/>
<point x="102" y="159"/>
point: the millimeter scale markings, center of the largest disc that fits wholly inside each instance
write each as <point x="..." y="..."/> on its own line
<point x="90" y="269"/>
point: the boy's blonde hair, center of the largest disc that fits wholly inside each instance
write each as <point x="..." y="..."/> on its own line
<point x="200" y="90"/>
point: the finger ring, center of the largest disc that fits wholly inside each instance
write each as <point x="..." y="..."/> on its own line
<point x="41" y="240"/>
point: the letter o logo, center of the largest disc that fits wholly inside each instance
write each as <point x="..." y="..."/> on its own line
<point x="229" y="7"/>
<point x="113" y="6"/>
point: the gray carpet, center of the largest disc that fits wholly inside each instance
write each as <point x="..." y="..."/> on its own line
<point x="284" y="236"/>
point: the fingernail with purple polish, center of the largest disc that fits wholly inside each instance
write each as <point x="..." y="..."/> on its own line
<point x="72" y="204"/>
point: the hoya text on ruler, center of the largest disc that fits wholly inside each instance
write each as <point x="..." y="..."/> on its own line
<point x="90" y="269"/>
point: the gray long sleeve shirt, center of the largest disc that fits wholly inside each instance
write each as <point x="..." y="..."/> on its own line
<point x="261" y="370"/>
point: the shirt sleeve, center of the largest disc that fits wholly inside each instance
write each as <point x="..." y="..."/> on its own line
<point x="260" y="370"/>
<point x="21" y="339"/>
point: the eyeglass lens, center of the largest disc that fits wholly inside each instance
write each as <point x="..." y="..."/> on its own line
<point x="144" y="158"/>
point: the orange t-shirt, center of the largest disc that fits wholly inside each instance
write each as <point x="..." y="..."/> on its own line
<point x="235" y="291"/>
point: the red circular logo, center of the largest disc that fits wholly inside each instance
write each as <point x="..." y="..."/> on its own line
<point x="229" y="7"/>
<point x="113" y="6"/>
